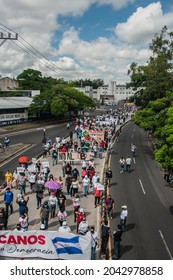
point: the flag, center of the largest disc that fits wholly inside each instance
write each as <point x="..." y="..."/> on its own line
<point x="67" y="245"/>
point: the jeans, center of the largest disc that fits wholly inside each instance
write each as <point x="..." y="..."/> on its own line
<point x="54" y="161"/>
<point x="117" y="248"/>
<point x="123" y="224"/>
<point x="39" y="200"/>
<point x="85" y="190"/>
<point x="97" y="200"/>
<point x="63" y="171"/>
<point x="121" y="168"/>
<point x="7" y="208"/>
<point x="104" y="245"/>
<point x="128" y="168"/>
<point x="22" y="189"/>
<point x="93" y="253"/>
<point x="52" y="211"/>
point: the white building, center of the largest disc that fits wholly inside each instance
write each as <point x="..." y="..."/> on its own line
<point x="109" y="94"/>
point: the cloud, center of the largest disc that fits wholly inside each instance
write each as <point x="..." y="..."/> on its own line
<point x="103" y="57"/>
<point x="116" y="4"/>
<point x="143" y="24"/>
<point x="106" y="58"/>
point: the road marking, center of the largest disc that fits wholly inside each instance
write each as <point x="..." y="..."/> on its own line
<point x="134" y="161"/>
<point x="166" y="246"/>
<point x="16" y="155"/>
<point x="140" y="182"/>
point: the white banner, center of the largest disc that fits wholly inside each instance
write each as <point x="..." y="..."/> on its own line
<point x="71" y="156"/>
<point x="45" y="244"/>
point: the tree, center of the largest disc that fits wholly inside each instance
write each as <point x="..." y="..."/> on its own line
<point x="30" y="79"/>
<point x="61" y="99"/>
<point x="156" y="76"/>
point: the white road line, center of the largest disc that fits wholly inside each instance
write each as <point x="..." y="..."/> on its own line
<point x="134" y="161"/>
<point x="16" y="155"/>
<point x="140" y="182"/>
<point x="166" y="246"/>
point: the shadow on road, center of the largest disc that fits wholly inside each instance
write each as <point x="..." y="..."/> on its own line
<point x="171" y="210"/>
<point x="124" y="249"/>
<point x="130" y="227"/>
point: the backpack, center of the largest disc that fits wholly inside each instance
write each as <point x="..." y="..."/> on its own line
<point x="105" y="231"/>
<point x="75" y="172"/>
<point x="54" y="154"/>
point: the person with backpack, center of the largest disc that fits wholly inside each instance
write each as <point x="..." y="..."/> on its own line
<point x="75" y="173"/>
<point x="54" y="157"/>
<point x="105" y="234"/>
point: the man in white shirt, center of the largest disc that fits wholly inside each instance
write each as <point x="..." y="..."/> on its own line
<point x="86" y="182"/>
<point x="83" y="227"/>
<point x="64" y="228"/>
<point x="123" y="217"/>
<point x="128" y="163"/>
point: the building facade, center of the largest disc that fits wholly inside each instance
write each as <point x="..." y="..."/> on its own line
<point x="109" y="94"/>
<point x="7" y="83"/>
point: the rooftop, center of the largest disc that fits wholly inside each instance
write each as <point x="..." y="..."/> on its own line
<point x="15" y="102"/>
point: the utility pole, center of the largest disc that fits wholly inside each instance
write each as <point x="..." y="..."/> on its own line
<point x="9" y="36"/>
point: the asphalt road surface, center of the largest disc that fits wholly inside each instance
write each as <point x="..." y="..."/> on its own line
<point x="33" y="137"/>
<point x="149" y="199"/>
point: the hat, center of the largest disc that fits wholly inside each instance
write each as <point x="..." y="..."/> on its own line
<point x="124" y="206"/>
<point x="81" y="210"/>
<point x="7" y="189"/>
<point x="64" y="223"/>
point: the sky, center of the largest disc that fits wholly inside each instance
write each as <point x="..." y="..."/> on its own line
<point x="80" y="39"/>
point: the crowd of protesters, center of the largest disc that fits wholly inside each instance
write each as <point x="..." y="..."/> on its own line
<point x="75" y="181"/>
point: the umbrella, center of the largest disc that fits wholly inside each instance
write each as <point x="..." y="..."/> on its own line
<point x="85" y="147"/>
<point x="23" y="159"/>
<point x="53" y="185"/>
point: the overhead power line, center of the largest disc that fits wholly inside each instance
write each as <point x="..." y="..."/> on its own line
<point x="35" y="54"/>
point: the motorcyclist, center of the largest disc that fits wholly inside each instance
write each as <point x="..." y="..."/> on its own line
<point x="6" y="142"/>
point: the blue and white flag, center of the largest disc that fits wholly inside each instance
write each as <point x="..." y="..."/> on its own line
<point x="69" y="246"/>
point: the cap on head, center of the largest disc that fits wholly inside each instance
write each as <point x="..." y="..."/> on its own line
<point x="64" y="223"/>
<point x="81" y="210"/>
<point x="124" y="206"/>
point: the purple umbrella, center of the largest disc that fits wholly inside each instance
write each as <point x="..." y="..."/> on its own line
<point x="53" y="185"/>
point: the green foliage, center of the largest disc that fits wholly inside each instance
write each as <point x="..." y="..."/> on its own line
<point x="156" y="76"/>
<point x="156" y="98"/>
<point x="61" y="99"/>
<point x="87" y="82"/>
